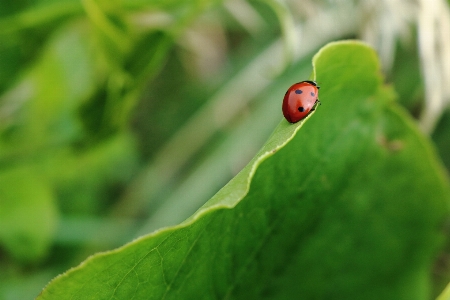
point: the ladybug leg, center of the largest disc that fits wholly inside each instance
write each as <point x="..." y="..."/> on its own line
<point x="315" y="105"/>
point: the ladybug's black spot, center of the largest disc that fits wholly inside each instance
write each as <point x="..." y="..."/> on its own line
<point x="298" y="91"/>
<point x="301" y="109"/>
<point x="312" y="94"/>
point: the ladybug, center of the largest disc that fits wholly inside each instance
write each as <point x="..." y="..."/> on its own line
<point x="300" y="100"/>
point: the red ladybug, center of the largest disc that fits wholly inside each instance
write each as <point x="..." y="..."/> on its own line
<point x="300" y="100"/>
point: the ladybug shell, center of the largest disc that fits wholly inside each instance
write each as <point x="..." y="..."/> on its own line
<point x="299" y="100"/>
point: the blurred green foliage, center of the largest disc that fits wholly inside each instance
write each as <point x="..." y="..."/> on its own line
<point x="120" y="117"/>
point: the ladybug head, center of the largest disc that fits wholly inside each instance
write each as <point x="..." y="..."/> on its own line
<point x="313" y="83"/>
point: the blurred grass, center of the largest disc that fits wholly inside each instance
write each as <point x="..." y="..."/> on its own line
<point x="133" y="114"/>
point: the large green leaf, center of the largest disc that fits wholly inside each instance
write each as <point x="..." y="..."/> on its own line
<point x="345" y="205"/>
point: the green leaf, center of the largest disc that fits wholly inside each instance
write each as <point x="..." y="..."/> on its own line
<point x="27" y="214"/>
<point x="44" y="104"/>
<point x="347" y="204"/>
<point x="445" y="295"/>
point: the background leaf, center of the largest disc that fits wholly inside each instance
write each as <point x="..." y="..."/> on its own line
<point x="347" y="204"/>
<point x="25" y="195"/>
